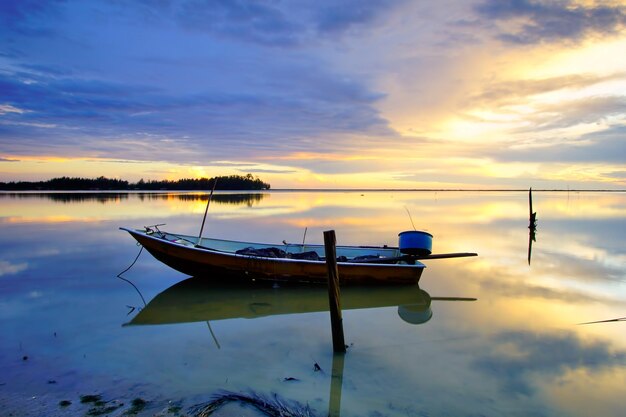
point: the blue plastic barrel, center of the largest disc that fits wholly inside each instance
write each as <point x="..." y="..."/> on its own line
<point x="415" y="242"/>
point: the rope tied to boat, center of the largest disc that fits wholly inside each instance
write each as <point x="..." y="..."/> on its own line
<point x="126" y="270"/>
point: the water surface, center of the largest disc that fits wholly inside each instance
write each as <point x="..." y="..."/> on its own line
<point x="70" y="327"/>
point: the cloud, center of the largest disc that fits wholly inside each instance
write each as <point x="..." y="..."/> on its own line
<point x="96" y="114"/>
<point x="218" y="87"/>
<point x="340" y="17"/>
<point x="519" y="91"/>
<point x="263" y="23"/>
<point x="531" y="353"/>
<point x="27" y="17"/>
<point x="8" y="268"/>
<point x="551" y="21"/>
<point x="606" y="146"/>
<point x="574" y="112"/>
<point x="268" y="171"/>
<point x="7" y="108"/>
<point x="275" y="24"/>
<point x="551" y="123"/>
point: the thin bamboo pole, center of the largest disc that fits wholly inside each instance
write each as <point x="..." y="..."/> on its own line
<point x="206" y="211"/>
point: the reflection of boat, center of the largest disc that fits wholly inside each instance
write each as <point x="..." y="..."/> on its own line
<point x="287" y="262"/>
<point x="196" y="300"/>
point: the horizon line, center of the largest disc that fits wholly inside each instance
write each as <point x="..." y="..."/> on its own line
<point x="340" y="190"/>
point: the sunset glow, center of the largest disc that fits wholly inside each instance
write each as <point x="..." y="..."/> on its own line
<point x="480" y="94"/>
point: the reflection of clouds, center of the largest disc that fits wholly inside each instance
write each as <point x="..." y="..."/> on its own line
<point x="452" y="366"/>
<point x="602" y="229"/>
<point x="8" y="268"/>
<point x="526" y="290"/>
<point x="582" y="250"/>
<point x="574" y="267"/>
<point x="573" y="259"/>
<point x="513" y="357"/>
<point x="571" y="392"/>
<point x="253" y="212"/>
<point x="46" y="219"/>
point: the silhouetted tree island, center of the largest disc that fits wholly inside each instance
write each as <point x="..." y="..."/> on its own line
<point x="230" y="182"/>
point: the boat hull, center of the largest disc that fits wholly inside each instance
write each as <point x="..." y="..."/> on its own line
<point x="201" y="262"/>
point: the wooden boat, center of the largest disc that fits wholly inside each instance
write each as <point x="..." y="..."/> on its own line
<point x="284" y="262"/>
<point x="198" y="300"/>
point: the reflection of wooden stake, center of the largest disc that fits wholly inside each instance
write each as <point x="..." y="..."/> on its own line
<point x="336" y="382"/>
<point x="334" y="296"/>
<point x="533" y="215"/>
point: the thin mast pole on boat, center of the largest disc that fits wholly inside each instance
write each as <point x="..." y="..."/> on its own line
<point x="206" y="211"/>
<point x="304" y="239"/>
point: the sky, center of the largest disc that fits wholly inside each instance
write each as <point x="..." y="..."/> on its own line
<point x="317" y="93"/>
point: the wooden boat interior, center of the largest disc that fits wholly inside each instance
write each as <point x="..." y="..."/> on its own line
<point x="345" y="253"/>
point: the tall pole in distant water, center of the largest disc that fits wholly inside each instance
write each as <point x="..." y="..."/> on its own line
<point x="532" y="224"/>
<point x="206" y="211"/>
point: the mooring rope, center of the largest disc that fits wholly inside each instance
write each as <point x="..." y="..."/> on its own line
<point x="124" y="279"/>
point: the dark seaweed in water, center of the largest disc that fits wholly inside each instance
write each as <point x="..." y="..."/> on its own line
<point x="90" y="398"/>
<point x="137" y="405"/>
<point x="273" y="407"/>
<point x="103" y="409"/>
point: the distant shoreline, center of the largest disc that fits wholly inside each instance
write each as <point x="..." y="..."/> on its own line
<point x="240" y="183"/>
<point x="228" y="182"/>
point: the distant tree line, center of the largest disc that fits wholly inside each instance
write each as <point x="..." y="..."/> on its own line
<point x="230" y="182"/>
<point x="67" y="184"/>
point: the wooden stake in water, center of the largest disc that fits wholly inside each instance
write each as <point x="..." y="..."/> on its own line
<point x="532" y="224"/>
<point x="334" y="296"/>
<point x="530" y="204"/>
<point x="206" y="211"/>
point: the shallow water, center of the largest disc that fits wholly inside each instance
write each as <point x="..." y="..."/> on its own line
<point x="70" y="327"/>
